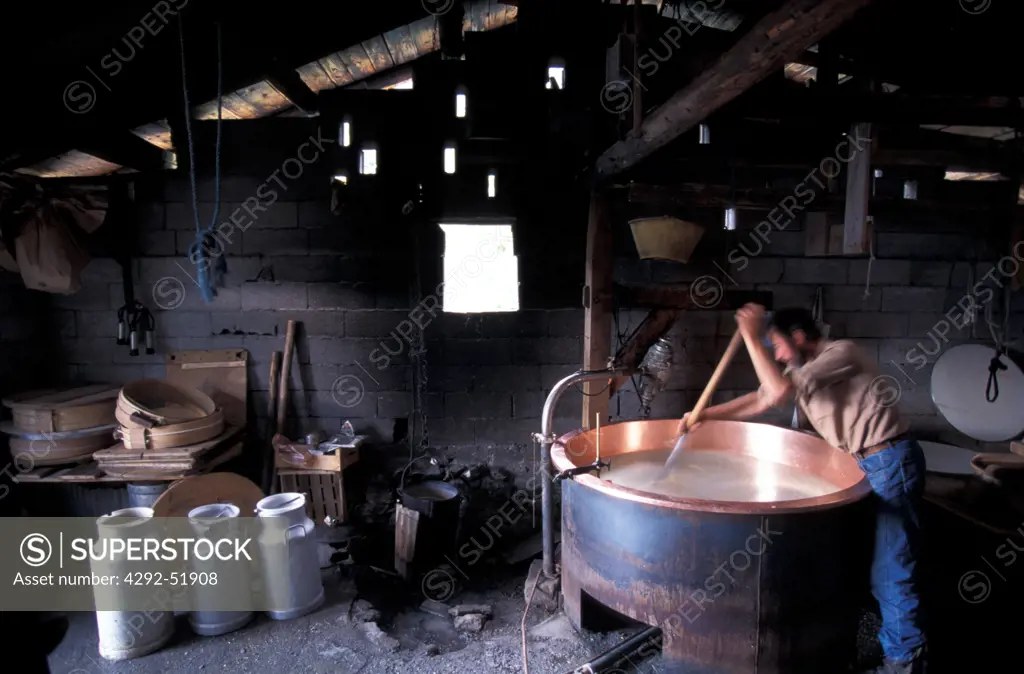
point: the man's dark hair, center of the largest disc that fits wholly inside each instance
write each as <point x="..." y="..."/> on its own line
<point x="791" y="319"/>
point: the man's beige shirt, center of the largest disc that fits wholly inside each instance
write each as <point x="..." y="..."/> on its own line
<point x="845" y="398"/>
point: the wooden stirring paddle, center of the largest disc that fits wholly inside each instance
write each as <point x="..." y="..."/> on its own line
<point x="702" y="402"/>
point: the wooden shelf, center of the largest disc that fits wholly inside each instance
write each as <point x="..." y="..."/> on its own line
<point x="90" y="472"/>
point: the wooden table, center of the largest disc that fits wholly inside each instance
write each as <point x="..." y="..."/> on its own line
<point x="999" y="510"/>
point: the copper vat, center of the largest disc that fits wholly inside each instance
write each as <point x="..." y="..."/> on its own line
<point x="737" y="587"/>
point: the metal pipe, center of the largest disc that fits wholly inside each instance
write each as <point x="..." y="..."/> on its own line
<point x="617" y="652"/>
<point x="547" y="439"/>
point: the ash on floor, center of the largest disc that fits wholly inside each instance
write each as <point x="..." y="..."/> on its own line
<point x="359" y="632"/>
<point x="338" y="639"/>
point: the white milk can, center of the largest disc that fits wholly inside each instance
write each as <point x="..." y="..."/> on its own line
<point x="215" y="583"/>
<point x="291" y="564"/>
<point x="129" y="634"/>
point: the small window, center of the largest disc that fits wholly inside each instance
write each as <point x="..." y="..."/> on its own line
<point x="346" y="133"/>
<point x="449" y="160"/>
<point x="460" y="105"/>
<point x="556" y="74"/>
<point x="481" y="270"/>
<point x="368" y="161"/>
<point x="492" y="185"/>
<point x="730" y="219"/>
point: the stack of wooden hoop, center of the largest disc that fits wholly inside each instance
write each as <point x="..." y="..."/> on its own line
<point x="57" y="426"/>
<point x="155" y="414"/>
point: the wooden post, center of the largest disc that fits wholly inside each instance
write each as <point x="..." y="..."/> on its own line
<point x="597" y="326"/>
<point x="856" y="237"/>
<point x="778" y="37"/>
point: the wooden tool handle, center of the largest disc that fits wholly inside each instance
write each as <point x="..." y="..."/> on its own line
<point x="990" y="465"/>
<point x="712" y="384"/>
<point x="267" y="477"/>
<point x="286" y="368"/>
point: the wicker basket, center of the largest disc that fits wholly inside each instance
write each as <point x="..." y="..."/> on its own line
<point x="665" y="238"/>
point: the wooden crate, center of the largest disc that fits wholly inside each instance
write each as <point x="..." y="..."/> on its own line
<point x="324" y="492"/>
<point x="318" y="476"/>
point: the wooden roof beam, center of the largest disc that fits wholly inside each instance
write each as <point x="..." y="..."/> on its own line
<point x="287" y="81"/>
<point x="117" y="147"/>
<point x="773" y="41"/>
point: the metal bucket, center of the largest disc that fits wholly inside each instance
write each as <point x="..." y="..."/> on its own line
<point x="145" y="494"/>
<point x="124" y="635"/>
<point x="216" y="522"/>
<point x="438" y="504"/>
<point x="291" y="559"/>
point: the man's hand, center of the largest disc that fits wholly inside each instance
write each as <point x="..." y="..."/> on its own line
<point x="750" y="320"/>
<point x="684" y="424"/>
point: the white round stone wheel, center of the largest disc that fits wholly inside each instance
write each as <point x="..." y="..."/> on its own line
<point x="959" y="380"/>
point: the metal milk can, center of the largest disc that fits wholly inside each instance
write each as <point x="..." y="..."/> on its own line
<point x="128" y="634"/>
<point x="291" y="563"/>
<point x="215" y="583"/>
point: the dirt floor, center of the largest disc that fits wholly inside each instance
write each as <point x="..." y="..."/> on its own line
<point x="333" y="639"/>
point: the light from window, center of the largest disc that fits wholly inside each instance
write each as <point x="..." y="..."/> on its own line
<point x="402" y="84"/>
<point x="346" y="134"/>
<point x="481" y="270"/>
<point x="449" y="160"/>
<point x="984" y="176"/>
<point x="492" y="185"/>
<point x="341" y="178"/>
<point x="368" y="162"/>
<point x="460" y="105"/>
<point x="730" y="219"/>
<point x="556" y="73"/>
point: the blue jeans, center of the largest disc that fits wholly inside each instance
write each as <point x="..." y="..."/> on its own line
<point x="896" y="475"/>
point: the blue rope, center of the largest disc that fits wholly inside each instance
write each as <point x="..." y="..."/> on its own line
<point x="207" y="278"/>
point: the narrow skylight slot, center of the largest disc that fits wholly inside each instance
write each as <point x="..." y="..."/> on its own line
<point x="449" y="160"/>
<point x="346" y="134"/>
<point x="730" y="219"/>
<point x="368" y="161"/>
<point x="556" y="73"/>
<point x="492" y="185"/>
<point x="460" y="105"/>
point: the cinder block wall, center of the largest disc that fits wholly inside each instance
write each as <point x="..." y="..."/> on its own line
<point x="905" y="306"/>
<point x="29" y="335"/>
<point x="350" y="281"/>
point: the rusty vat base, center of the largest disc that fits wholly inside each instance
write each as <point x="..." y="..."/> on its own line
<point x="736" y="588"/>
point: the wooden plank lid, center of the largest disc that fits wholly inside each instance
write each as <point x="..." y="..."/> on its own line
<point x="192" y="492"/>
<point x="60" y="410"/>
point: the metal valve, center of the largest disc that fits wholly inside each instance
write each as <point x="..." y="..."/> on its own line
<point x="133" y="343"/>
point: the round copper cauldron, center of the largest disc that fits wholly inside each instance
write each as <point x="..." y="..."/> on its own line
<point x="737" y="587"/>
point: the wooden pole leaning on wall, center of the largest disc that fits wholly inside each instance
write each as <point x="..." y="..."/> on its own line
<point x="597" y="305"/>
<point x="282" y="397"/>
<point x="286" y="369"/>
<point x="269" y="460"/>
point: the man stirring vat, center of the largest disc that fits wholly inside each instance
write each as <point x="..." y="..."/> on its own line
<point x="835" y="386"/>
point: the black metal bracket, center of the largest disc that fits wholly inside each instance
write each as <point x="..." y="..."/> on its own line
<point x="582" y="470"/>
